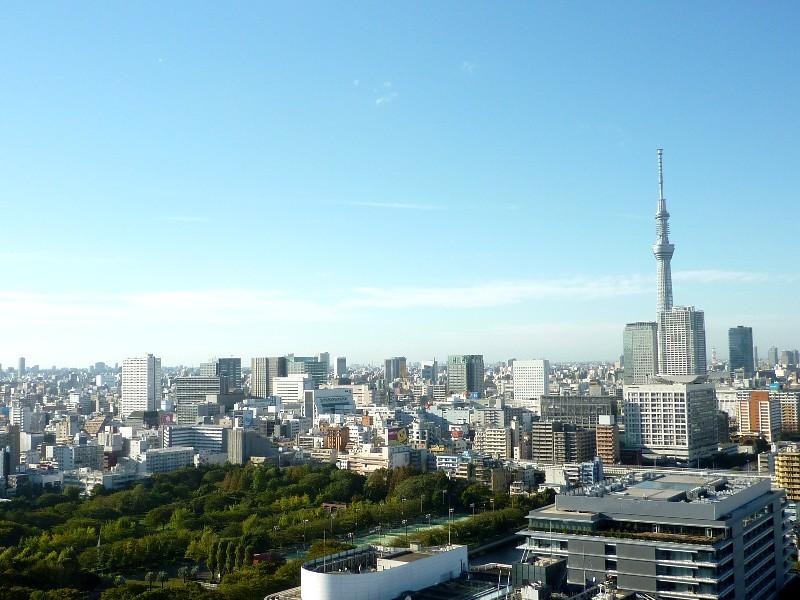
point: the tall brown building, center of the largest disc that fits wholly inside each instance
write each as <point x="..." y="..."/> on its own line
<point x="607" y="439"/>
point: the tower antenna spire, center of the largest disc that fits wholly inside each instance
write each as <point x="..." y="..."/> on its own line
<point x="662" y="249"/>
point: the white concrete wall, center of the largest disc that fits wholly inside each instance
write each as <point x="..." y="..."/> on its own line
<point x="384" y="585"/>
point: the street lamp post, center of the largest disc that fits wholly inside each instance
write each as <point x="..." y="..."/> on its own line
<point x="333" y="514"/>
<point x="428" y="516"/>
<point x="405" y="524"/>
<point x="305" y="524"/>
<point x="403" y="509"/>
<point x="472" y="506"/>
<point x="421" y="500"/>
<point x="492" y="501"/>
<point x="449" y="515"/>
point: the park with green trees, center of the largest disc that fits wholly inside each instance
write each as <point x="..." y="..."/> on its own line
<point x="225" y="532"/>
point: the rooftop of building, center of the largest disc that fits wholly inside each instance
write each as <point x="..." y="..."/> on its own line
<point x="687" y="505"/>
<point x="367" y="559"/>
<point x="698" y="487"/>
<point x="461" y="588"/>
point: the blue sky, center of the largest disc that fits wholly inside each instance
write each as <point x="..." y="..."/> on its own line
<point x="196" y="179"/>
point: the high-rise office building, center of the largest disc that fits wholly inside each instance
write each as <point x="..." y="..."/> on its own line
<point x="340" y="369"/>
<point x="141" y="385"/>
<point x="531" y="382"/>
<point x="640" y="352"/>
<point x="772" y="356"/>
<point x="740" y="347"/>
<point x="259" y="377"/>
<point x="465" y="374"/>
<point x="262" y="371"/>
<point x="789" y="358"/>
<point x="21" y="366"/>
<point x="670" y="417"/>
<point x="682" y="342"/>
<point x="325" y="358"/>
<point x="430" y="371"/>
<point x="191" y="392"/>
<point x="317" y="369"/>
<point x="395" y="368"/>
<point x="229" y="370"/>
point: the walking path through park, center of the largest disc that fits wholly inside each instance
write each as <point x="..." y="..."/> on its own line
<point x="379" y="535"/>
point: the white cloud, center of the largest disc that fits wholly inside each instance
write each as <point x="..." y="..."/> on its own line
<point x="499" y="293"/>
<point x="239" y="305"/>
<point x="83" y="324"/>
<point x="715" y="275"/>
<point x="220" y="306"/>
<point x="385" y="98"/>
<point x="356" y="82"/>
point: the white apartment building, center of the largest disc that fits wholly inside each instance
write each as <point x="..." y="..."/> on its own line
<point x="20" y="416"/>
<point x="447" y="462"/>
<point x="207" y="438"/>
<point x="673" y="416"/>
<point x="165" y="460"/>
<point x="76" y="456"/>
<point x="531" y="382"/>
<point x="494" y="441"/>
<point x="141" y="385"/>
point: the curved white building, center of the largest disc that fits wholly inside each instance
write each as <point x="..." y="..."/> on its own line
<point x="366" y="573"/>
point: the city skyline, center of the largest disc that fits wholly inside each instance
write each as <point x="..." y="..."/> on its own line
<point x="144" y="202"/>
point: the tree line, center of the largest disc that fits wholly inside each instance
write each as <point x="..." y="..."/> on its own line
<point x="210" y="523"/>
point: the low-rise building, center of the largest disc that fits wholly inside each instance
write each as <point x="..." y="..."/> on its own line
<point x="365" y="573"/>
<point x="166" y="460"/>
